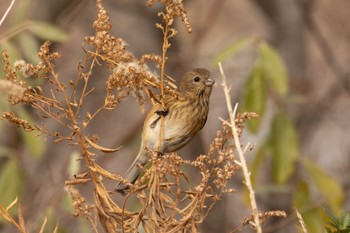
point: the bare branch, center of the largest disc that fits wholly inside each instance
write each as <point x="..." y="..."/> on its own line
<point x="243" y="163"/>
<point x="7" y="11"/>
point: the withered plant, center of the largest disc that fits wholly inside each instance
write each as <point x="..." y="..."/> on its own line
<point x="170" y="201"/>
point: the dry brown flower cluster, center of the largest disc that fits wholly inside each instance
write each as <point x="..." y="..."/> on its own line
<point x="10" y="116"/>
<point x="170" y="201"/>
<point x="129" y="75"/>
<point x="173" y="10"/>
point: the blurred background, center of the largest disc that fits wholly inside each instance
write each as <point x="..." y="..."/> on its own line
<point x="286" y="60"/>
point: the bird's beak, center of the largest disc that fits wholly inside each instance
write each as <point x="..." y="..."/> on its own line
<point x="209" y="82"/>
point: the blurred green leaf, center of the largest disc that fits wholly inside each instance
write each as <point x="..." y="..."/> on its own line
<point x="33" y="142"/>
<point x="30" y="46"/>
<point x="74" y="163"/>
<point x="231" y="50"/>
<point x="284" y="146"/>
<point x="338" y="225"/>
<point x="331" y="215"/>
<point x="329" y="187"/>
<point x="5" y="152"/>
<point x="274" y="70"/>
<point x="10" y="183"/>
<point x="67" y="203"/>
<point x="344" y="221"/>
<point x="11" y="50"/>
<point x="20" y="11"/>
<point x="47" y="31"/>
<point x="258" y="159"/>
<point x="50" y="214"/>
<point x="302" y="201"/>
<point x="254" y="97"/>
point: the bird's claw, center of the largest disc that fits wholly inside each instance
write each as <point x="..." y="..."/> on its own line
<point x="162" y="112"/>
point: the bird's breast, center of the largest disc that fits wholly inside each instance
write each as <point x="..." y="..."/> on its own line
<point x="181" y="123"/>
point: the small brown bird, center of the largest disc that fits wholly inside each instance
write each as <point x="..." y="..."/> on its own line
<point x="183" y="116"/>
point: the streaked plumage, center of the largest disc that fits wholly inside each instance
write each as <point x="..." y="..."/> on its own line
<point x="183" y="116"/>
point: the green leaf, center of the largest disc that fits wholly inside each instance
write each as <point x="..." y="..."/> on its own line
<point x="33" y="142"/>
<point x="284" y="146"/>
<point x="274" y="69"/>
<point x="341" y="224"/>
<point x="10" y="183"/>
<point x="5" y="152"/>
<point x="30" y="47"/>
<point x="302" y="201"/>
<point x="67" y="203"/>
<point x="344" y="221"/>
<point x="231" y="50"/>
<point x="47" y="31"/>
<point x="258" y="159"/>
<point x="330" y="188"/>
<point x="254" y="97"/>
<point x="331" y="215"/>
<point x="301" y="197"/>
<point x="74" y="163"/>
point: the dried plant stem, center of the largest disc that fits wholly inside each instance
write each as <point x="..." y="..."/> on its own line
<point x="86" y="80"/>
<point x="7" y="11"/>
<point x="162" y="76"/>
<point x="164" y="50"/>
<point x="73" y="119"/>
<point x="301" y="221"/>
<point x="243" y="163"/>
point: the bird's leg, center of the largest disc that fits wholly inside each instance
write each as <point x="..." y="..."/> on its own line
<point x="162" y="112"/>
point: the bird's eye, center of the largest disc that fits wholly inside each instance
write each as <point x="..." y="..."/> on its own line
<point x="196" y="79"/>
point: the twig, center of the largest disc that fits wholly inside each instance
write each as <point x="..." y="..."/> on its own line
<point x="162" y="75"/>
<point x="301" y="221"/>
<point x="7" y="11"/>
<point x="243" y="163"/>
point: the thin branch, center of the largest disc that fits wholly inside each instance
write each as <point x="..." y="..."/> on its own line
<point x="243" y="162"/>
<point x="162" y="75"/>
<point x="7" y="11"/>
<point x="86" y="80"/>
<point x="301" y="221"/>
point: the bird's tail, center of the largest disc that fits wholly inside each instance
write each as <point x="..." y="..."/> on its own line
<point x="133" y="172"/>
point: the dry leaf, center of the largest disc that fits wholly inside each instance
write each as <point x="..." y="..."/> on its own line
<point x="101" y="148"/>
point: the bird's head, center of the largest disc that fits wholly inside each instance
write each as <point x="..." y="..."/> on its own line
<point x="196" y="82"/>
